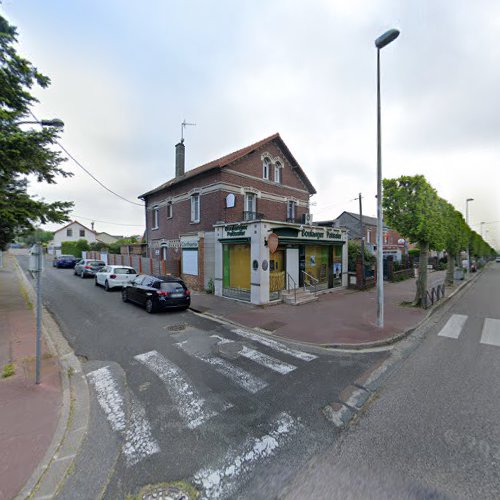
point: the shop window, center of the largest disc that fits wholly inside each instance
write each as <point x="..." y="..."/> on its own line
<point x="195" y="208"/>
<point x="169" y="210"/>
<point x="156" y="217"/>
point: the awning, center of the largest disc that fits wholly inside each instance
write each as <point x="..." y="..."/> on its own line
<point x="235" y="240"/>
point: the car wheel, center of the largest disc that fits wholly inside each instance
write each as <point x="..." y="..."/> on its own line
<point x="106" y="286"/>
<point x="82" y="275"/>
<point x="95" y="282"/>
<point x="75" y="273"/>
<point x="124" y="295"/>
<point x="150" y="307"/>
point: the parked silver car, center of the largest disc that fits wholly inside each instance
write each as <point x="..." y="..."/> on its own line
<point x="88" y="267"/>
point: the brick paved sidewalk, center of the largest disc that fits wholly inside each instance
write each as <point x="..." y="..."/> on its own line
<point x="29" y="413"/>
<point x="341" y="318"/>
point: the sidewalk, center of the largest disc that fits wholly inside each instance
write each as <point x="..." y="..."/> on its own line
<point x="29" y="413"/>
<point x="342" y="318"/>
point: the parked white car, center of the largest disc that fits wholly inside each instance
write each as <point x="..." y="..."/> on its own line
<point x="114" y="276"/>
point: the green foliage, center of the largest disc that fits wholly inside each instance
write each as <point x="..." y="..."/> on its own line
<point x="75" y="247"/>
<point x="115" y="247"/>
<point x="8" y="370"/>
<point x="98" y="246"/>
<point x="29" y="238"/>
<point x="23" y="152"/>
<point x="354" y="251"/>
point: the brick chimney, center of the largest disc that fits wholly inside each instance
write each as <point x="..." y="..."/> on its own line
<point x="180" y="154"/>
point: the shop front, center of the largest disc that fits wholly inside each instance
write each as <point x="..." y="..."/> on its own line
<point x="256" y="261"/>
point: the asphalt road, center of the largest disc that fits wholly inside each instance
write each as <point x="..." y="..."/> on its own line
<point x="434" y="431"/>
<point x="178" y="397"/>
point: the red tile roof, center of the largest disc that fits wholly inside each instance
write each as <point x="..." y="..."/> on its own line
<point x="231" y="157"/>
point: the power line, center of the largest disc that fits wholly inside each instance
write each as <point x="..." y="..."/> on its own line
<point x="90" y="173"/>
<point x="107" y="222"/>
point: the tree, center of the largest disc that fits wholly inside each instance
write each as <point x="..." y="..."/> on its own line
<point x="116" y="246"/>
<point x="37" y="235"/>
<point x="456" y="235"/>
<point x="23" y="152"/>
<point x="354" y="251"/>
<point x="413" y="208"/>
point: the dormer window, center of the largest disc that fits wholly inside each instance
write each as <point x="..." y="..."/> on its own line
<point x="266" y="168"/>
<point x="277" y="172"/>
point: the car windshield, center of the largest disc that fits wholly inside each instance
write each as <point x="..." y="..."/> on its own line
<point x="123" y="270"/>
<point x="172" y="286"/>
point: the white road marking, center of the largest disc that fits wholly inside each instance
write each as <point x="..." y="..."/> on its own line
<point x="491" y="332"/>
<point x="277" y="346"/>
<point x="139" y="442"/>
<point x="190" y="405"/>
<point x="261" y="358"/>
<point x="453" y="327"/>
<point x="246" y="380"/>
<point x="222" y="481"/>
<point x="109" y="397"/>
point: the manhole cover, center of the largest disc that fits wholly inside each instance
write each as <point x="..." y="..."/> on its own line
<point x="230" y="350"/>
<point x="168" y="492"/>
<point x="179" y="327"/>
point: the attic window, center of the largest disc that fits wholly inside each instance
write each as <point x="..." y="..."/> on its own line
<point x="277" y="172"/>
<point x="266" y="167"/>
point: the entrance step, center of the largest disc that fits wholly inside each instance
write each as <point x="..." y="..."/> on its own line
<point x="302" y="297"/>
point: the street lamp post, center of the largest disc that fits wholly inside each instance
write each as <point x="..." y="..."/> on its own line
<point x="380" y="43"/>
<point x="468" y="240"/>
<point x="54" y="122"/>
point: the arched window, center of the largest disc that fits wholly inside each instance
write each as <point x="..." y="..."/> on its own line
<point x="277" y="172"/>
<point x="266" y="167"/>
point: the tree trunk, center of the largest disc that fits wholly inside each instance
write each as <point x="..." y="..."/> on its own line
<point x="450" y="272"/>
<point x="422" y="273"/>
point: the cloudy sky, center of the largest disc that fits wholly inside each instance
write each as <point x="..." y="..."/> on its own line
<point x="125" y="74"/>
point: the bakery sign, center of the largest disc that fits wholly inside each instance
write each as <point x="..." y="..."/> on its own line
<point x="320" y="234"/>
<point x="233" y="230"/>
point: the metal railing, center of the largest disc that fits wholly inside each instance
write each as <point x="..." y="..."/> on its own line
<point x="312" y="281"/>
<point x="433" y="295"/>
<point x="252" y="216"/>
<point x="288" y="280"/>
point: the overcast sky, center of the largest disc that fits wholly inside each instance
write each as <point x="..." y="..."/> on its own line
<point x="125" y="74"/>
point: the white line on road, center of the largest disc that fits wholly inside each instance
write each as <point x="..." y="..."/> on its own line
<point x="190" y="405"/>
<point x="491" y="332"/>
<point x="246" y="380"/>
<point x="261" y="358"/>
<point x="139" y="442"/>
<point x="453" y="327"/>
<point x="222" y="481"/>
<point x="109" y="397"/>
<point x="277" y="346"/>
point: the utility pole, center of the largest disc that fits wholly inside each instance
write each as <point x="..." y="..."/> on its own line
<point x="362" y="234"/>
<point x="36" y="266"/>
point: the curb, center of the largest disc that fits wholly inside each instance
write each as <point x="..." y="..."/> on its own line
<point x="338" y="346"/>
<point x="57" y="463"/>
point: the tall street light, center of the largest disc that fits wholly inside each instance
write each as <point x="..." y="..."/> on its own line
<point x="468" y="240"/>
<point x="380" y="43"/>
<point x="54" y="122"/>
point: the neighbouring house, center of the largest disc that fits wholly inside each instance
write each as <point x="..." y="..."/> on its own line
<point x="73" y="231"/>
<point x="242" y="224"/>
<point x="107" y="238"/>
<point x="394" y="245"/>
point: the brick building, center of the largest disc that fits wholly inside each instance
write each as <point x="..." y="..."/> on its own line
<point x="240" y="193"/>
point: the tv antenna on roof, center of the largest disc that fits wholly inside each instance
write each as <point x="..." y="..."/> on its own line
<point x="184" y="124"/>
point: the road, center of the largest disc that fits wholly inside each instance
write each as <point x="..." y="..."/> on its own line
<point x="178" y="397"/>
<point x="434" y="430"/>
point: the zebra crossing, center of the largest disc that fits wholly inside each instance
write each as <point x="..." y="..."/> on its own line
<point x="490" y="333"/>
<point x="189" y="402"/>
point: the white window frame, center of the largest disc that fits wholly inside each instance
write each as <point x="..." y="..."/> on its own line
<point x="291" y="209"/>
<point x="250" y="202"/>
<point x="266" y="167"/>
<point x="195" y="207"/>
<point x="170" y="210"/>
<point x="277" y="172"/>
<point x="156" y="217"/>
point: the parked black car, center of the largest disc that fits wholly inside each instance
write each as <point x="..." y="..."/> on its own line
<point x="157" y="293"/>
<point x="88" y="267"/>
<point x="66" y="261"/>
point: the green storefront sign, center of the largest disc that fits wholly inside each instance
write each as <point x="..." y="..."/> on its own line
<point x="318" y="235"/>
<point x="236" y="230"/>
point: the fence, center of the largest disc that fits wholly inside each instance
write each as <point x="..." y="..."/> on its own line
<point x="143" y="265"/>
<point x="433" y="295"/>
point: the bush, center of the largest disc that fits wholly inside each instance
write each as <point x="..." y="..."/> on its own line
<point x="74" y="247"/>
<point x="354" y="251"/>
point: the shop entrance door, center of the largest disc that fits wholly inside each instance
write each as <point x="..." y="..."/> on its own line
<point x="276" y="273"/>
